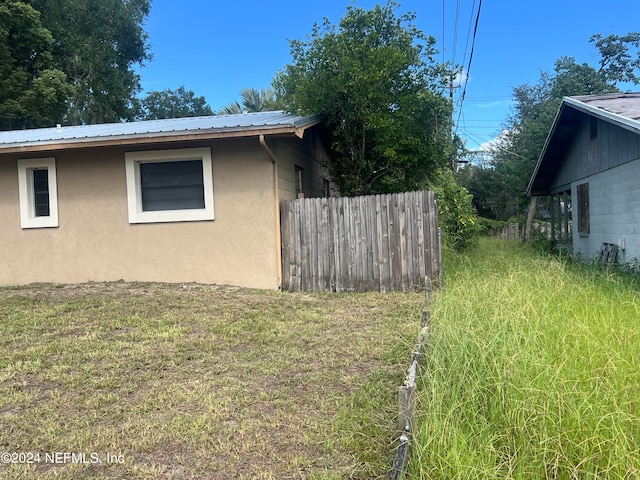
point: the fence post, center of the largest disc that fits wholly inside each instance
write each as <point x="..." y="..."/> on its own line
<point x="406" y="407"/>
<point x="425" y="320"/>
<point x="407" y="400"/>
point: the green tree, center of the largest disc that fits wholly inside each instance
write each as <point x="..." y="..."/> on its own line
<point x="535" y="106"/>
<point x="374" y="79"/>
<point x="484" y="185"/>
<point x="618" y="61"/>
<point x="253" y="100"/>
<point x="173" y="104"/>
<point x="32" y="92"/>
<point x="97" y="43"/>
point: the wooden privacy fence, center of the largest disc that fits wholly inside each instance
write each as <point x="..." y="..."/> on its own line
<point x="510" y="232"/>
<point x="367" y="243"/>
<point x="514" y="231"/>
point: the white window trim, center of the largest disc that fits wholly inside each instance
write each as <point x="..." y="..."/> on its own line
<point x="134" y="191"/>
<point x="26" y="194"/>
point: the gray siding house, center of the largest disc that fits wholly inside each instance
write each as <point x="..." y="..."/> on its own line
<point x="590" y="170"/>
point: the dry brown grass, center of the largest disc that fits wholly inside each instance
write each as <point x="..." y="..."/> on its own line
<point x="195" y="381"/>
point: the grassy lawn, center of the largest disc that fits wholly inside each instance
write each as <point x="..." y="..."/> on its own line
<point x="156" y="381"/>
<point x="533" y="371"/>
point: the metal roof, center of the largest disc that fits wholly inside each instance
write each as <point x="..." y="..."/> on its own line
<point x="216" y="126"/>
<point x="621" y="109"/>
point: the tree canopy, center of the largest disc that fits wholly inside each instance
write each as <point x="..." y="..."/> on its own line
<point x="97" y="44"/>
<point x="172" y="104"/>
<point x="374" y="79"/>
<point x="70" y="61"/>
<point x="33" y="92"/>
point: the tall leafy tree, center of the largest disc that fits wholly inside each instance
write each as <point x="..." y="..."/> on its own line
<point x="97" y="43"/>
<point x="374" y="79"/>
<point x="619" y="56"/>
<point x="173" y="104"/>
<point x="33" y="93"/>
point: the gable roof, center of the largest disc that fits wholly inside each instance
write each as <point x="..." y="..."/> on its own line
<point x="153" y="131"/>
<point x="621" y="109"/>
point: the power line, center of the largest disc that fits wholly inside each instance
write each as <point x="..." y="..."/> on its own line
<point x="466" y="79"/>
<point x="466" y="43"/>
<point x="455" y="34"/>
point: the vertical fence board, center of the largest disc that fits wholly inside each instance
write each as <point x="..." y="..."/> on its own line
<point x="383" y="242"/>
<point x="324" y="246"/>
<point x="380" y="243"/>
<point x="420" y="241"/>
<point x="373" y="237"/>
<point x="431" y="236"/>
<point x="334" y="260"/>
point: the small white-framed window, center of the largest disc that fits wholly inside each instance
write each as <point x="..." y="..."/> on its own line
<point x="38" y="192"/>
<point x="169" y="185"/>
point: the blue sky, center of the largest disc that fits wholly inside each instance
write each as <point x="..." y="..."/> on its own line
<point x="216" y="48"/>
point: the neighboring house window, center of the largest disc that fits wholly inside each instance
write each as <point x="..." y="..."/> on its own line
<point x="593" y="127"/>
<point x="37" y="189"/>
<point x="299" y="182"/>
<point x="169" y="185"/>
<point x="583" y="209"/>
<point x="326" y="188"/>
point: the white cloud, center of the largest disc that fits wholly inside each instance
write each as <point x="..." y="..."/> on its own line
<point x="460" y="78"/>
<point x="483" y="153"/>
<point x="496" y="103"/>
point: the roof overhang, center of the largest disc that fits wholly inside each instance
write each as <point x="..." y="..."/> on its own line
<point x="93" y="136"/>
<point x="564" y="127"/>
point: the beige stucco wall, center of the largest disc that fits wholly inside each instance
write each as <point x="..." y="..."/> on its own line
<point x="95" y="242"/>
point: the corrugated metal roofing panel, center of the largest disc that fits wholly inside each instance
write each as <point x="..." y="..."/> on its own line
<point x="238" y="122"/>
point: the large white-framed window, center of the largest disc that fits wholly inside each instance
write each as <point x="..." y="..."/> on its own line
<point x="169" y="185"/>
<point x="38" y="192"/>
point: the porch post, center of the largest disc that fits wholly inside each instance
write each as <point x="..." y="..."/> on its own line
<point x="559" y="207"/>
<point x="553" y="223"/>
<point x="565" y="198"/>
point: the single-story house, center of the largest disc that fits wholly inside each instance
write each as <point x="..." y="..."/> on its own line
<point x="590" y="169"/>
<point x="178" y="200"/>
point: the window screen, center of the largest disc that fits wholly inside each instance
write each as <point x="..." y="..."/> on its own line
<point x="41" y="192"/>
<point x="299" y="181"/>
<point x="172" y="185"/>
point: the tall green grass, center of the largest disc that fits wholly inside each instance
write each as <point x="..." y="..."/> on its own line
<point x="533" y="371"/>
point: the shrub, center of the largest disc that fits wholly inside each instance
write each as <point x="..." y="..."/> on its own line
<point x="488" y="226"/>
<point x="456" y="213"/>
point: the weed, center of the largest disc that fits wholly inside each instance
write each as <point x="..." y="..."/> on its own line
<point x="533" y="371"/>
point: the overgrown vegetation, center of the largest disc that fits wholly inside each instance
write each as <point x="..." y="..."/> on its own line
<point x="456" y="213"/>
<point x="374" y="78"/>
<point x="533" y="370"/>
<point x="197" y="381"/>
